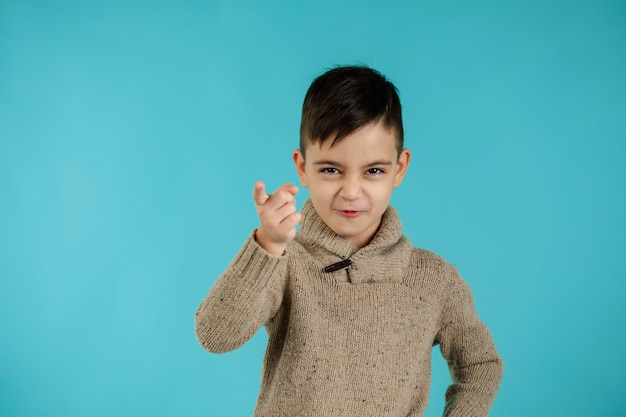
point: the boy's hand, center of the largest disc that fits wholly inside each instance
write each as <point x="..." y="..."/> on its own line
<point x="278" y="216"/>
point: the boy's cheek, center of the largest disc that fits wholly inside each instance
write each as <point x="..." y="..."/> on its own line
<point x="323" y="190"/>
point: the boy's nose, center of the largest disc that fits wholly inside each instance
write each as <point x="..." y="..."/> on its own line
<point x="351" y="189"/>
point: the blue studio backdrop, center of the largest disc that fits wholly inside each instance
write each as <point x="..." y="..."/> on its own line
<point x="131" y="135"/>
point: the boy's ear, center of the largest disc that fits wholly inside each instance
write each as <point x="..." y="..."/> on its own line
<point x="298" y="159"/>
<point x="403" y="166"/>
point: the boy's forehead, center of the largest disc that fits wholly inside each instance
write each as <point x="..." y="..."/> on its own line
<point x="369" y="142"/>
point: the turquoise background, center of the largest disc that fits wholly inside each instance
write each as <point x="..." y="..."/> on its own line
<point x="131" y="134"/>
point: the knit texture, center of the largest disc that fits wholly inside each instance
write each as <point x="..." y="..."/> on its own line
<point x="358" y="341"/>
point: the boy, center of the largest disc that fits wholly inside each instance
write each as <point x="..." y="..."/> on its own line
<point x="351" y="308"/>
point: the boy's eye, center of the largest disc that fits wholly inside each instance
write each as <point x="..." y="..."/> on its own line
<point x="329" y="170"/>
<point x="375" y="171"/>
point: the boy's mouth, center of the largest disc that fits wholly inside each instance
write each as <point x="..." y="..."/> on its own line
<point x="349" y="213"/>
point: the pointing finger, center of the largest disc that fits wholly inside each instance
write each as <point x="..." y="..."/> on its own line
<point x="259" y="194"/>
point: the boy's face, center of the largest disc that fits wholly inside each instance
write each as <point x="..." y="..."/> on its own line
<point x="350" y="183"/>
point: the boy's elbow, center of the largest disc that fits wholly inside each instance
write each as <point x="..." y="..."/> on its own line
<point x="497" y="364"/>
<point x="500" y="368"/>
<point x="214" y="346"/>
<point x="213" y="340"/>
<point x="489" y="373"/>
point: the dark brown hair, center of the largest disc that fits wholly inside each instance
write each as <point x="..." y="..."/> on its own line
<point x="344" y="99"/>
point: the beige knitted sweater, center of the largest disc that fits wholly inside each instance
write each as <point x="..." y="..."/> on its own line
<point x="356" y="342"/>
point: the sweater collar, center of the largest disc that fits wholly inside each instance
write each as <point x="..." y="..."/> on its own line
<point x="384" y="259"/>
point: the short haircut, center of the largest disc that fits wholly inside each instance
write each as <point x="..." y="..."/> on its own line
<point x="345" y="99"/>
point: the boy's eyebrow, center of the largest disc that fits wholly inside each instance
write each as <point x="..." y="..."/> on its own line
<point x="368" y="165"/>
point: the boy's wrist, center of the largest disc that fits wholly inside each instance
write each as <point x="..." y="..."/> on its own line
<point x="273" y="248"/>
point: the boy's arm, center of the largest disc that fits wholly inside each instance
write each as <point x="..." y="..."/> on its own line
<point x="250" y="291"/>
<point x="475" y="365"/>
<point x="245" y="296"/>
